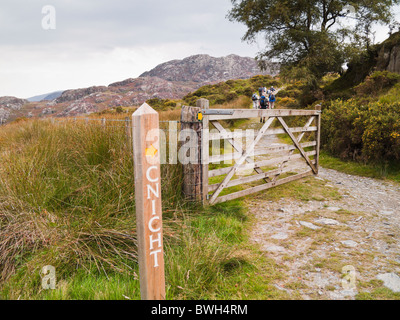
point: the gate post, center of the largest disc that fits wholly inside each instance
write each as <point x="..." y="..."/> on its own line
<point x="204" y="104"/>
<point x="194" y="173"/>
<point x="318" y="108"/>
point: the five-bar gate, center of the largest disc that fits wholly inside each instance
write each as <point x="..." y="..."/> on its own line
<point x="264" y="161"/>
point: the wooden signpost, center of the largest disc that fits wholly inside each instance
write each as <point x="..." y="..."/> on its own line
<point x="148" y="202"/>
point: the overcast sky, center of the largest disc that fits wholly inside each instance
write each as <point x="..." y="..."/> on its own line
<point x="97" y="42"/>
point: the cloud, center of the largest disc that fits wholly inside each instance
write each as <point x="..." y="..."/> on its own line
<point x="100" y="41"/>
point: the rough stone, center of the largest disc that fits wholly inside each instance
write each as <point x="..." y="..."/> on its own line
<point x="280" y="236"/>
<point x="349" y="243"/>
<point x="273" y="248"/>
<point x="334" y="208"/>
<point x="390" y="281"/>
<point x="327" y="222"/>
<point x="309" y="225"/>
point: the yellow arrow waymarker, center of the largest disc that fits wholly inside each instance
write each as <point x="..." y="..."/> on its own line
<point x="200" y="116"/>
<point x="151" y="152"/>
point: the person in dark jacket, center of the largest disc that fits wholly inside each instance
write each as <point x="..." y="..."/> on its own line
<point x="272" y="100"/>
<point x="263" y="105"/>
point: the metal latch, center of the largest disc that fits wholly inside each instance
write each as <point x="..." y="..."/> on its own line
<point x="212" y="112"/>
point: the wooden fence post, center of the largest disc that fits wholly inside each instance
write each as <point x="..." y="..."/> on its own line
<point x="193" y="172"/>
<point x="318" y="107"/>
<point x="146" y="153"/>
<point x="128" y="133"/>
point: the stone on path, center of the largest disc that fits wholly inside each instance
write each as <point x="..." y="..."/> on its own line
<point x="274" y="249"/>
<point x="309" y="225"/>
<point x="390" y="281"/>
<point x="386" y="212"/>
<point x="280" y="236"/>
<point x="327" y="222"/>
<point x="350" y="243"/>
<point x="334" y="208"/>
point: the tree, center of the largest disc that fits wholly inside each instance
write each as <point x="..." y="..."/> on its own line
<point x="312" y="35"/>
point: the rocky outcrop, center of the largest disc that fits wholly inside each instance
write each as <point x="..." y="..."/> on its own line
<point x="384" y="56"/>
<point x="78" y="108"/>
<point x="4" y="115"/>
<point x="205" y="69"/>
<point x="12" y="103"/>
<point x="141" y="89"/>
<point x="9" y="106"/>
<point x="73" y="95"/>
<point x="389" y="55"/>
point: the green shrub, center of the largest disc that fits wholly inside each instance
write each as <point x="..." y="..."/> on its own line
<point x="162" y="104"/>
<point x="339" y="134"/>
<point x="119" y="109"/>
<point x="381" y="137"/>
<point x="369" y="132"/>
<point x="376" y="82"/>
<point x="231" y="96"/>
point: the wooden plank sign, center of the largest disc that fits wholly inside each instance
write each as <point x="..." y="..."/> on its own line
<point x="148" y="202"/>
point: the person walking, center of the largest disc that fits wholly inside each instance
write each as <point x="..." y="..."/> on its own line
<point x="255" y="99"/>
<point x="263" y="105"/>
<point x="272" y="100"/>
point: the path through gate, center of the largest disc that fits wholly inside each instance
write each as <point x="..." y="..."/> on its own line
<point x="263" y="161"/>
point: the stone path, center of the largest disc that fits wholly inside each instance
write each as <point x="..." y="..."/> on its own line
<point x="333" y="249"/>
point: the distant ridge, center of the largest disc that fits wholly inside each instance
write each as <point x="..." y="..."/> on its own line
<point x="46" y="96"/>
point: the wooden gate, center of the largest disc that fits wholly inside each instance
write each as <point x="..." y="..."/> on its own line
<point x="259" y="165"/>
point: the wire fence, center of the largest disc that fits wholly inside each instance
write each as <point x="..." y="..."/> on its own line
<point x="105" y="122"/>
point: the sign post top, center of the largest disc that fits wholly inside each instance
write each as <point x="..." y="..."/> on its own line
<point x="144" y="109"/>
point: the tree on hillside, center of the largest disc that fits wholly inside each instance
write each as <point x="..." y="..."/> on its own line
<point x="311" y="36"/>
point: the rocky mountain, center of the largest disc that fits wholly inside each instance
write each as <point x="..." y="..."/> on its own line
<point x="170" y="80"/>
<point x="203" y="68"/>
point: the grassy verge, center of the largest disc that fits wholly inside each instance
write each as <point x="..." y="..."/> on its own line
<point x="384" y="171"/>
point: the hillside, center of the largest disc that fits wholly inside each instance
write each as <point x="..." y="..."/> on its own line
<point x="205" y="69"/>
<point x="170" y="80"/>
